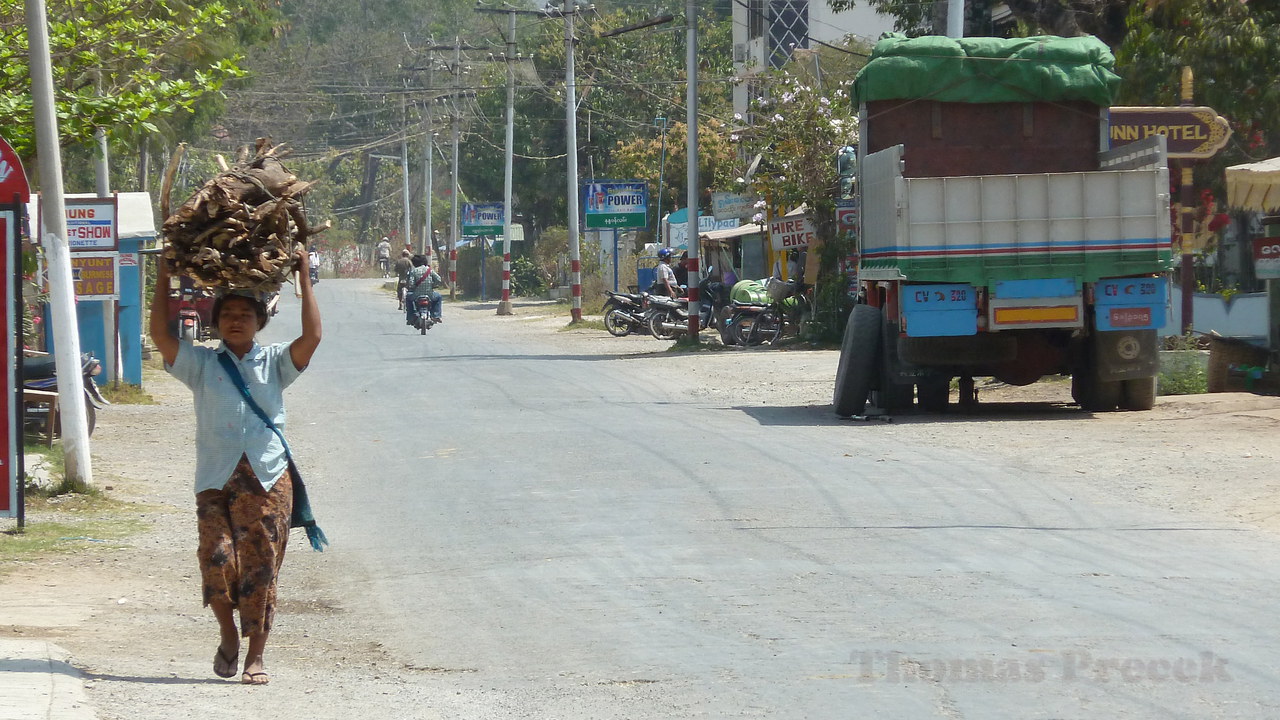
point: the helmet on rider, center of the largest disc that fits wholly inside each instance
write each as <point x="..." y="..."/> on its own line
<point x="664" y="254"/>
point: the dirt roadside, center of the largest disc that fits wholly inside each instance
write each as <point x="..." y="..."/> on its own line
<point x="131" y="617"/>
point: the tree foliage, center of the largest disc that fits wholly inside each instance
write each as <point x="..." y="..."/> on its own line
<point x="121" y="65"/>
<point x="1233" y="49"/>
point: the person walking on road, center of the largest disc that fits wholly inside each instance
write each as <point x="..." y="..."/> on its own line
<point x="245" y="486"/>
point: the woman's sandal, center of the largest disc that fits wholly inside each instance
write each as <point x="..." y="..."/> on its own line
<point x="225" y="665"/>
<point x="256" y="678"/>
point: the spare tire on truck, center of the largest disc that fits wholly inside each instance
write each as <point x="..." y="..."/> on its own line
<point x="859" y="355"/>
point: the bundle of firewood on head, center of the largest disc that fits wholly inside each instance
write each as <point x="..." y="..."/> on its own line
<point x="242" y="230"/>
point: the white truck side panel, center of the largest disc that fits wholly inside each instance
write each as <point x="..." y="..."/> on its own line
<point x="1010" y="214"/>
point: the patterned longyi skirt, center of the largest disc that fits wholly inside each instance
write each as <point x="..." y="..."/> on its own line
<point x="243" y="533"/>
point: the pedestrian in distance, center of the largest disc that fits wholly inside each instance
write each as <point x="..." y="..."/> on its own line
<point x="248" y="492"/>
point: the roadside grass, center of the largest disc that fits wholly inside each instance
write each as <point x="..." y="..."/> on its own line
<point x="584" y="325"/>
<point x="64" y="517"/>
<point x="126" y="394"/>
<point x="62" y="522"/>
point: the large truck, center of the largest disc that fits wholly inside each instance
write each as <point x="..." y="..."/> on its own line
<point x="998" y="235"/>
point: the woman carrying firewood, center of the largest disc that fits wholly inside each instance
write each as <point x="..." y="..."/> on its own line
<point x="244" y="484"/>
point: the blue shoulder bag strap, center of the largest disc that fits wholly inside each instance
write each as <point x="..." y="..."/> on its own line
<point x="301" y="516"/>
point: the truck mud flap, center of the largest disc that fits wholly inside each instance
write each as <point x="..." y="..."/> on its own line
<point x="983" y="349"/>
<point x="1126" y="354"/>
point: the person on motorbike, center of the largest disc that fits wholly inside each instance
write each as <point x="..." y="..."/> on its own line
<point x="403" y="265"/>
<point x="422" y="282"/>
<point x="664" y="283"/>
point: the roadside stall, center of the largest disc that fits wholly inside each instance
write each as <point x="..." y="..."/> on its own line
<point x="1256" y="187"/>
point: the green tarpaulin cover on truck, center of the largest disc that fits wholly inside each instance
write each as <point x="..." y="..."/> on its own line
<point x="989" y="70"/>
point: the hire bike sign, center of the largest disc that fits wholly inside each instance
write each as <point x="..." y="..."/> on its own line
<point x="615" y="204"/>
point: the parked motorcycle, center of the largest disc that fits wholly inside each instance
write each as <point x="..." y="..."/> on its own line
<point x="667" y="316"/>
<point x="714" y="307"/>
<point x="422" y="319"/>
<point x="625" y="313"/>
<point x="788" y="310"/>
<point x="39" y="373"/>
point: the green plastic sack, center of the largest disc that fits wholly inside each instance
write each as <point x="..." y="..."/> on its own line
<point x="749" y="291"/>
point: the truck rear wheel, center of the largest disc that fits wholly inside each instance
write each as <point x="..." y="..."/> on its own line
<point x="1138" y="394"/>
<point x="859" y="354"/>
<point x="933" y="393"/>
<point x="888" y="395"/>
<point x="1094" y="394"/>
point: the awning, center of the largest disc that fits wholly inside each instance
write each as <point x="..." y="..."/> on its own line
<point x="731" y="233"/>
<point x="1254" y="186"/>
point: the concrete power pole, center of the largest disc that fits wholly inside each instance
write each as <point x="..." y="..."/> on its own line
<point x="404" y="170"/>
<point x="504" y="307"/>
<point x="66" y="338"/>
<point x="429" y="154"/>
<point x="571" y="133"/>
<point x="693" y="198"/>
<point x="457" y="132"/>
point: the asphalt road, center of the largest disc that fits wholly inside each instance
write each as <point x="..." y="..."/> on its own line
<point x="568" y="536"/>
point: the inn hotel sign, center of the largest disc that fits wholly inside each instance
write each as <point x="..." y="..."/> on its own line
<point x="1192" y="132"/>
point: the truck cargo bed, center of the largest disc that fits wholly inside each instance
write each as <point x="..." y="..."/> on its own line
<point x="980" y="229"/>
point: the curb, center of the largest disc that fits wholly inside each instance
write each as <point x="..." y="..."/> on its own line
<point x="37" y="682"/>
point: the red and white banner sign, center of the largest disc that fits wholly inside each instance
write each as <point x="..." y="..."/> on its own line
<point x="792" y="232"/>
<point x="1266" y="258"/>
<point x="13" y="181"/>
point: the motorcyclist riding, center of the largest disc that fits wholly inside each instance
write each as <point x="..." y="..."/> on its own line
<point x="422" y="282"/>
<point x="403" y="265"/>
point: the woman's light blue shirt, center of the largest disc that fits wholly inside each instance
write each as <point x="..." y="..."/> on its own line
<point x="226" y="427"/>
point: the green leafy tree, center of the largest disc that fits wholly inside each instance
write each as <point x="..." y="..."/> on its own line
<point x="799" y="130"/>
<point x="1233" y="49"/>
<point x="122" y="65"/>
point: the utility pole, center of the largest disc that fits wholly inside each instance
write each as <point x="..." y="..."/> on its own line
<point x="102" y="187"/>
<point x="508" y="211"/>
<point x="691" y="100"/>
<point x="404" y="169"/>
<point x="75" y="429"/>
<point x="429" y="141"/>
<point x="571" y="133"/>
<point x="457" y="132"/>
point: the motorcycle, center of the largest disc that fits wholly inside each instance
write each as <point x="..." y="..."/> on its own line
<point x="783" y="317"/>
<point x="422" y="319"/>
<point x="39" y="373"/>
<point x="625" y="313"/>
<point x="192" y="311"/>
<point x="667" y="316"/>
<point x="714" y="309"/>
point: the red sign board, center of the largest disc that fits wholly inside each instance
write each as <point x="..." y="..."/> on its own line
<point x="9" y="429"/>
<point x="13" y="181"/>
<point x="1266" y="258"/>
<point x="1130" y="317"/>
